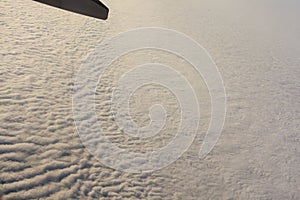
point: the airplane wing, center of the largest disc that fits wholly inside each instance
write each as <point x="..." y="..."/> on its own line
<point x="92" y="8"/>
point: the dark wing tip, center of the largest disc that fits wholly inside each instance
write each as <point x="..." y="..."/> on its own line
<point x="92" y="8"/>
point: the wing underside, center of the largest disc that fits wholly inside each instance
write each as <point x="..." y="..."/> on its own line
<point x="92" y="8"/>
